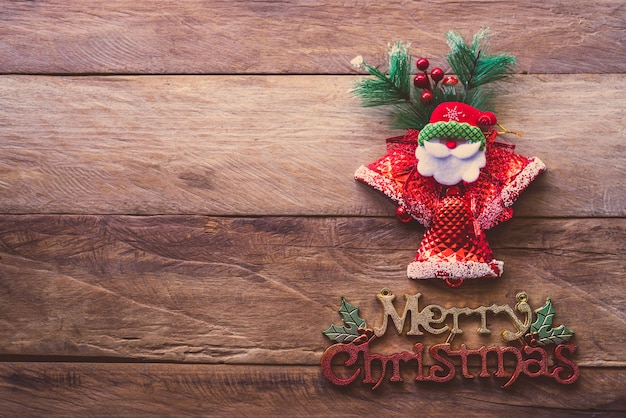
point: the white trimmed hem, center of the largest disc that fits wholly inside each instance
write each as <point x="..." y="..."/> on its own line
<point x="512" y="191"/>
<point x="383" y="184"/>
<point x="454" y="270"/>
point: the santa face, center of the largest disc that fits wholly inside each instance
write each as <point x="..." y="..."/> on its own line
<point x="450" y="160"/>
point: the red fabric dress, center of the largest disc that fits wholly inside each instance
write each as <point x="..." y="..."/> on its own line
<point x="454" y="246"/>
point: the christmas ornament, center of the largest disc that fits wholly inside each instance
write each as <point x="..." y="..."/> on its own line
<point x="537" y="341"/>
<point x="447" y="171"/>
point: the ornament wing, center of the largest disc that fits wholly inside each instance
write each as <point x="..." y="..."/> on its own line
<point x="503" y="179"/>
<point x="395" y="175"/>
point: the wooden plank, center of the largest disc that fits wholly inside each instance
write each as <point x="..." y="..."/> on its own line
<point x="61" y="389"/>
<point x="261" y="290"/>
<point x="273" y="145"/>
<point x="228" y="37"/>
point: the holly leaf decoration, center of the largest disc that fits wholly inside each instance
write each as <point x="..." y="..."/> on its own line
<point x="542" y="330"/>
<point x="351" y="324"/>
<point x="340" y="334"/>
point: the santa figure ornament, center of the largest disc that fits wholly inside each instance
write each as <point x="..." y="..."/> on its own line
<point x="448" y="171"/>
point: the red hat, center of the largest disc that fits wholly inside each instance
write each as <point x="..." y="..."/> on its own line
<point x="456" y="120"/>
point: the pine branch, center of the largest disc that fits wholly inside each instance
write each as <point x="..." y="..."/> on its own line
<point x="475" y="68"/>
<point x="400" y="68"/>
<point x="378" y="91"/>
<point x="416" y="115"/>
<point x="388" y="89"/>
<point x="481" y="98"/>
<point x="406" y="116"/>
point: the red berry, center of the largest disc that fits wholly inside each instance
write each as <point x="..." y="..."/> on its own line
<point x="436" y="74"/>
<point x="421" y="81"/>
<point x="422" y="64"/>
<point x="450" y="81"/>
<point x="426" y="97"/>
<point x="403" y="215"/>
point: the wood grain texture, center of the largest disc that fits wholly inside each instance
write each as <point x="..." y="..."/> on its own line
<point x="279" y="145"/>
<point x="215" y="390"/>
<point x="178" y="218"/>
<point x="261" y="290"/>
<point x="199" y="37"/>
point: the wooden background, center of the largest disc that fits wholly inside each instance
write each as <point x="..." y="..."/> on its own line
<point x="179" y="218"/>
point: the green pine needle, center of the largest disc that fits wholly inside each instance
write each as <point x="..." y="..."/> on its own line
<point x="475" y="68"/>
<point x="406" y="116"/>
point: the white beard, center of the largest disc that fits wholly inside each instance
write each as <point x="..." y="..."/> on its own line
<point x="450" y="166"/>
